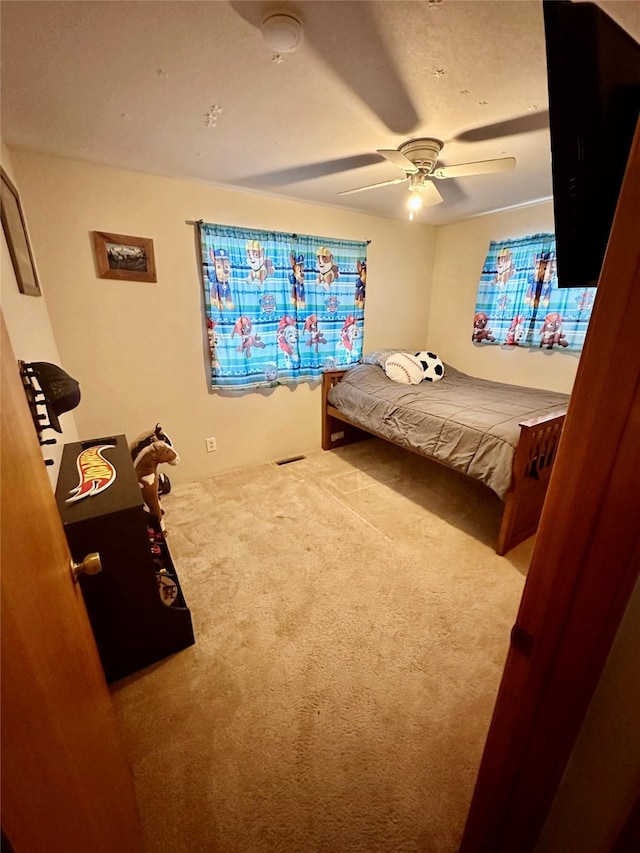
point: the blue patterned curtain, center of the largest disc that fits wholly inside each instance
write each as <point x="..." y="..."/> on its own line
<point x="519" y="302"/>
<point x="281" y="308"/>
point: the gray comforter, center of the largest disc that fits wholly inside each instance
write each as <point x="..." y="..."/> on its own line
<point x="469" y="424"/>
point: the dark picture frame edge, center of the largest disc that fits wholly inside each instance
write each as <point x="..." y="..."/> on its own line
<point x="15" y="230"/>
<point x="117" y="258"/>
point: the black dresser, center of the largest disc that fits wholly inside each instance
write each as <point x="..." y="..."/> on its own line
<point x="135" y="604"/>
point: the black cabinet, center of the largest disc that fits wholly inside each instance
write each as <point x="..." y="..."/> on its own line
<point x="135" y="604"/>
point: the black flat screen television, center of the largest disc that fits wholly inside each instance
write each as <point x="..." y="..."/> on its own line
<point x="593" y="72"/>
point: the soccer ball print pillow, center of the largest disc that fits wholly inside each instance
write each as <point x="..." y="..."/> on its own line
<point x="432" y="366"/>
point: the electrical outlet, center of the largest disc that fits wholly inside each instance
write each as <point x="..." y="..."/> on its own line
<point x="211" y="444"/>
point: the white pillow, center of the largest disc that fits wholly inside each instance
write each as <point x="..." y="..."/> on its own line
<point x="404" y="367"/>
<point x="379" y="356"/>
<point x="432" y="366"/>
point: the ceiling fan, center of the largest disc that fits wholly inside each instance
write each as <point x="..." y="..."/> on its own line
<point x="418" y="160"/>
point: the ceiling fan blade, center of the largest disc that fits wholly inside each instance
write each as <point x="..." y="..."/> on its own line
<point x="431" y="195"/>
<point x="374" y="186"/>
<point x="482" y="167"/>
<point x="398" y="159"/>
<point x="538" y="120"/>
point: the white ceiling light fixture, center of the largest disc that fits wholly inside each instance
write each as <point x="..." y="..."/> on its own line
<point x="415" y="202"/>
<point x="416" y="189"/>
<point x="418" y="159"/>
<point x="422" y="191"/>
<point x="282" y="32"/>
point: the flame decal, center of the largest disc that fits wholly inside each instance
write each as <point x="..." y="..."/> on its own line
<point x="95" y="473"/>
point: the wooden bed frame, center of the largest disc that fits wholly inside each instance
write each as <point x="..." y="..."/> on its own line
<point x="532" y="463"/>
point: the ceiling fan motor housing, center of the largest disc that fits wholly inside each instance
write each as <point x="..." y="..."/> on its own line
<point x="423" y="153"/>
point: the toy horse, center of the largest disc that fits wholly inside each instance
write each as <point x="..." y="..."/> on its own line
<point x="149" y="450"/>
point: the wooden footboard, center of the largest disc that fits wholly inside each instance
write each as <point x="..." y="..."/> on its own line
<point x="532" y="463"/>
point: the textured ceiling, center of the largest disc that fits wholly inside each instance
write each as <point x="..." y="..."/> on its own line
<point x="129" y="84"/>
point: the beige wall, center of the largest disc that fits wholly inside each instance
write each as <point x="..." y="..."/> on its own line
<point x="138" y="350"/>
<point x="460" y="254"/>
<point x="29" y="327"/>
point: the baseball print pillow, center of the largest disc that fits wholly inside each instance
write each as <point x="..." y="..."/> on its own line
<point x="404" y="367"/>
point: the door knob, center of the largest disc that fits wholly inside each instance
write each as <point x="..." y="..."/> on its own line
<point x="91" y="565"/>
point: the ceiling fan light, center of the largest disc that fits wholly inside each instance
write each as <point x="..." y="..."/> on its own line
<point x="415" y="202"/>
<point x="282" y="33"/>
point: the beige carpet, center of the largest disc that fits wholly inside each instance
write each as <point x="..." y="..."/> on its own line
<point x="352" y="620"/>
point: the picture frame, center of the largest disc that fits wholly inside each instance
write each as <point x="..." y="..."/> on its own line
<point x="123" y="257"/>
<point x="15" y="230"/>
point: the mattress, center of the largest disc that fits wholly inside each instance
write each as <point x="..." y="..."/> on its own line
<point x="469" y="424"/>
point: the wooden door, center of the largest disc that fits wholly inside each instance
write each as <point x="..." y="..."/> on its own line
<point x="584" y="566"/>
<point x="66" y="783"/>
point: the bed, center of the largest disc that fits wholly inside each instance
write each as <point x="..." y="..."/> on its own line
<point x="505" y="436"/>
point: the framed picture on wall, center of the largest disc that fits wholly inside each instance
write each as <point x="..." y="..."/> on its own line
<point x="123" y="257"/>
<point x="15" y="230"/>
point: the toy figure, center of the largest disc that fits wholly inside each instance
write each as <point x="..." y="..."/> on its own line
<point x="361" y="284"/>
<point x="480" y="330"/>
<point x="219" y="279"/>
<point x="328" y="271"/>
<point x="260" y="266"/>
<point x="243" y="327"/>
<point x="149" y="450"/>
<point x="296" y="277"/>
<point x="551" y="333"/>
